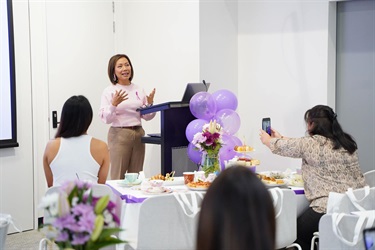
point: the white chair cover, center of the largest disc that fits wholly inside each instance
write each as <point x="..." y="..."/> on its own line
<point x="163" y="224"/>
<point x="343" y="231"/>
<point x="347" y="215"/>
<point x="285" y="203"/>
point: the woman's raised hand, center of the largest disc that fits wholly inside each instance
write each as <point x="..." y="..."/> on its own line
<point x="119" y="97"/>
<point x="150" y="97"/>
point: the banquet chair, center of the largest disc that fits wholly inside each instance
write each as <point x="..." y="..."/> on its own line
<point x="285" y="204"/>
<point x="365" y="206"/>
<point x="370" y="178"/>
<point x="328" y="239"/>
<point x="163" y="224"/>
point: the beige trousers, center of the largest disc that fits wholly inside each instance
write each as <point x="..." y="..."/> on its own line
<point x="127" y="153"/>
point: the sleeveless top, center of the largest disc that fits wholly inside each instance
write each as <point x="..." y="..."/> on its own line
<point x="74" y="161"/>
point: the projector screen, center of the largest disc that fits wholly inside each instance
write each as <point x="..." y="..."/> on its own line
<point x="8" y="128"/>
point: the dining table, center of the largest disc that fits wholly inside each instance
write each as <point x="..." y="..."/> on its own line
<point x="130" y="198"/>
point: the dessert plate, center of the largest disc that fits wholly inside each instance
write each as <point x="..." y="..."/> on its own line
<point x="198" y="188"/>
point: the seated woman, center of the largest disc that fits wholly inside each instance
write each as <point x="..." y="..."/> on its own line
<point x="74" y="154"/>
<point x="237" y="213"/>
<point x="329" y="164"/>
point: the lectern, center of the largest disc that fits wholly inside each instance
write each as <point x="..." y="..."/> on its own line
<point x="174" y="118"/>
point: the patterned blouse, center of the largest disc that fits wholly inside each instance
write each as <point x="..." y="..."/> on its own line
<point x="324" y="169"/>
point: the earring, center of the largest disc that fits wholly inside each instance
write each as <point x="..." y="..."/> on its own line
<point x="114" y="78"/>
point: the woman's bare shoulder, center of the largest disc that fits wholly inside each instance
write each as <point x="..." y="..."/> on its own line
<point x="98" y="144"/>
<point x="53" y="144"/>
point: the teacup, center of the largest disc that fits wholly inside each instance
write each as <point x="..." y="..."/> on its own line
<point x="131" y="177"/>
<point x="188" y="177"/>
<point x="211" y="177"/>
<point x="156" y="183"/>
<point x="199" y="175"/>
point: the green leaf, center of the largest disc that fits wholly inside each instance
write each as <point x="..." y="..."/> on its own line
<point x="106" y="232"/>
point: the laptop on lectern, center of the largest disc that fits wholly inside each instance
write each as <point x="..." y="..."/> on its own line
<point x="193" y="88"/>
<point x="190" y="90"/>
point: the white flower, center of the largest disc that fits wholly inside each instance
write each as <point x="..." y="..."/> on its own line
<point x="64" y="207"/>
<point x="51" y="204"/>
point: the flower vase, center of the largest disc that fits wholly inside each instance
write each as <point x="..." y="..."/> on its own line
<point x="210" y="164"/>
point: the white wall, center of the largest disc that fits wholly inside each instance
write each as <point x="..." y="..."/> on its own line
<point x="219" y="44"/>
<point x="273" y="54"/>
<point x="16" y="164"/>
<point x="282" y="58"/>
<point x="162" y="40"/>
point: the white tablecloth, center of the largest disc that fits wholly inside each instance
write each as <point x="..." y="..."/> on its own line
<point x="131" y="198"/>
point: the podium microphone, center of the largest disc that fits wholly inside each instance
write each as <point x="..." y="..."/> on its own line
<point x="204" y="82"/>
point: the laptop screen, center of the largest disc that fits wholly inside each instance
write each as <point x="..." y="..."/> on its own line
<point x="193" y="88"/>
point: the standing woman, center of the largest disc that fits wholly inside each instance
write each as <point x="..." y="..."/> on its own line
<point x="329" y="164"/>
<point x="119" y="107"/>
<point x="74" y="154"/>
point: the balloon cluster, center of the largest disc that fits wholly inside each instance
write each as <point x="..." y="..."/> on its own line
<point x="220" y="106"/>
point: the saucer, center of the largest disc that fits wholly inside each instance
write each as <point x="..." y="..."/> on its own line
<point x="126" y="183"/>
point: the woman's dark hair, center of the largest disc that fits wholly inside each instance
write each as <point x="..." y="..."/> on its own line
<point x="76" y="117"/>
<point x="323" y="121"/>
<point x="237" y="213"/>
<point x="111" y="67"/>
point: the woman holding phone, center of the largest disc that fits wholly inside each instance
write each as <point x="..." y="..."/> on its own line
<point x="329" y="164"/>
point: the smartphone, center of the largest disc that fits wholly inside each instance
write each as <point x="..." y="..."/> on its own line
<point x="266" y="125"/>
<point x="369" y="238"/>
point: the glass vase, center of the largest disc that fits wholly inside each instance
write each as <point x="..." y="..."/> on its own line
<point x="210" y="164"/>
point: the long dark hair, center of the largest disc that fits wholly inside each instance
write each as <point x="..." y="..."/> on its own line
<point x="76" y="117"/>
<point x="111" y="68"/>
<point x="237" y="213"/>
<point x="323" y="121"/>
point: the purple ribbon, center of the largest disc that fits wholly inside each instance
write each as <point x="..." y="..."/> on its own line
<point x="128" y="198"/>
<point x="299" y="191"/>
<point x="132" y="199"/>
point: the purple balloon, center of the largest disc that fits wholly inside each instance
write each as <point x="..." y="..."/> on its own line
<point x="225" y="99"/>
<point x="227" y="150"/>
<point x="229" y="120"/>
<point x="203" y="106"/>
<point x="194" y="127"/>
<point x="194" y="154"/>
<point x="237" y="141"/>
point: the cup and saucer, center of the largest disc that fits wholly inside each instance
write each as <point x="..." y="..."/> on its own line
<point x="131" y="179"/>
<point x="156" y="187"/>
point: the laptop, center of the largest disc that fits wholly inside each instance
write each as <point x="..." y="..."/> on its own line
<point x="193" y="88"/>
<point x="190" y="90"/>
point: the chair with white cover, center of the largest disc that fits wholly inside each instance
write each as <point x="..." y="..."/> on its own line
<point x="344" y="231"/>
<point x="164" y="224"/>
<point x="285" y="204"/>
<point x="347" y="215"/>
<point x="370" y="178"/>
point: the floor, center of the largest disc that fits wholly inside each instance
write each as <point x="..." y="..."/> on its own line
<point x="28" y="240"/>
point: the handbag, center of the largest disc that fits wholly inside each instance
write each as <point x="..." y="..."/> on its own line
<point x="342" y="226"/>
<point x="351" y="212"/>
<point x="360" y="199"/>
